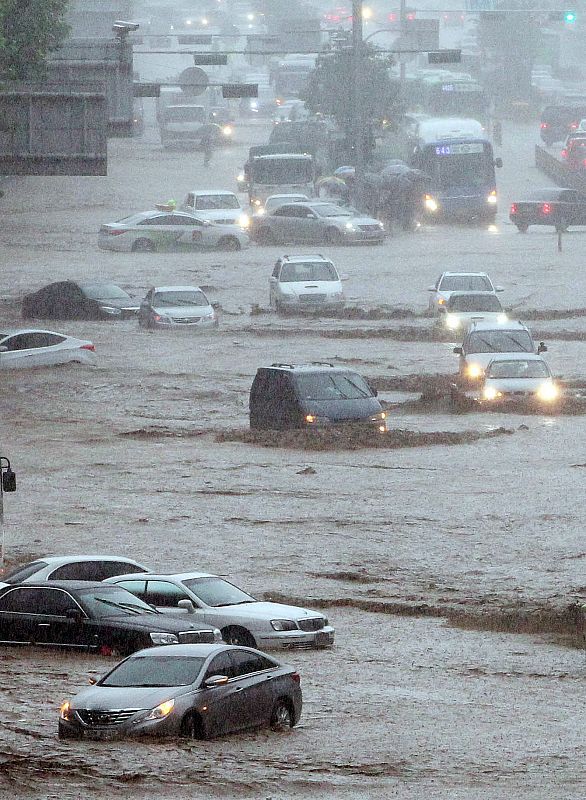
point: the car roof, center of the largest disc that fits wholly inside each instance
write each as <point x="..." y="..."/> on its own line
<point x="176" y="288"/>
<point x="69" y="585"/>
<point x="316" y="366"/>
<point x="177" y="576"/>
<point x="485" y="325"/>
<point x="50" y="560"/>
<point x="307" y="257"/>
<point x="13" y="331"/>
<point x="466" y="274"/>
<point x="182" y="650"/>
<point x="212" y="191"/>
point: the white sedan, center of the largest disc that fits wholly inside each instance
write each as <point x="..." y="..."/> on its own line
<point x="242" y="619"/>
<point x="149" y="231"/>
<point x="28" y="347"/>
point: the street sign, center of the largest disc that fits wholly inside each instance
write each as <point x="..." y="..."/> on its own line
<point x="147" y="89"/>
<point x="210" y="59"/>
<point x="240" y="90"/>
<point x="444" y="57"/>
<point x="193" y="81"/>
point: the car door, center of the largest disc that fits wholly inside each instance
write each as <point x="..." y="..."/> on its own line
<point x="55" y="624"/>
<point x="305" y="225"/>
<point x="18" y="615"/>
<point x="159" y="230"/>
<point x="189" y="231"/>
<point x="252" y="699"/>
<point x="282" y="222"/>
<point x="222" y="702"/>
<point x="163" y="595"/>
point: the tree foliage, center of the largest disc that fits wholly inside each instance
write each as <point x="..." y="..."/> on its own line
<point x="29" y="30"/>
<point x="331" y="87"/>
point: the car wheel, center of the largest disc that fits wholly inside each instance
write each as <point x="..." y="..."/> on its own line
<point x="233" y="634"/>
<point x="229" y="243"/>
<point x="282" y="716"/>
<point x="333" y="236"/>
<point x="143" y="246"/>
<point x="522" y="227"/>
<point x="192" y="726"/>
<point x="265" y="236"/>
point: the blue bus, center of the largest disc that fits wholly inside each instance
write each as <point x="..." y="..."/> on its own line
<point x="458" y="158"/>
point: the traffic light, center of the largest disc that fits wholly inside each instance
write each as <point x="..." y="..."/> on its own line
<point x="570" y="16"/>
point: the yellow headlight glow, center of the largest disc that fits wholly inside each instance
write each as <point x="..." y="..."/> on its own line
<point x="490" y="393"/>
<point x="474" y="371"/>
<point x="431" y="203"/>
<point x="65" y="710"/>
<point x="452" y="321"/>
<point x="227" y="130"/>
<point x="162" y="710"/>
<point x="548" y="392"/>
<point x="310" y="418"/>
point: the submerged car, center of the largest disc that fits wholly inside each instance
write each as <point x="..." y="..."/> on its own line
<point x="483" y="340"/>
<point x="196" y="690"/>
<point x="21" y="348"/>
<point x="305" y="282"/>
<point x="221" y="207"/>
<point x="241" y="618"/>
<point x="72" y="568"/>
<point x="150" y="231"/>
<point x="73" y="300"/>
<point x="316" y="222"/>
<point x="518" y="378"/>
<point x="275" y="201"/>
<point x="176" y="306"/>
<point x="85" y="615"/>
<point x="450" y="282"/>
<point x="462" y="308"/>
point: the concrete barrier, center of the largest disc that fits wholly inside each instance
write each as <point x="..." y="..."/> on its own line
<point x="558" y="171"/>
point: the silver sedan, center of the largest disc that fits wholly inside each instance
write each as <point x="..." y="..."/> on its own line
<point x="316" y="222"/>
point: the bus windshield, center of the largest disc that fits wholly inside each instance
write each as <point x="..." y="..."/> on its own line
<point x="281" y="171"/>
<point x="451" y="167"/>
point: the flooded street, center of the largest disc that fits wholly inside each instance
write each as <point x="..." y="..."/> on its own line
<point x="449" y="560"/>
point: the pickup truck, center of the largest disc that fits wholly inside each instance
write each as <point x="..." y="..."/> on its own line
<point x="558" y="207"/>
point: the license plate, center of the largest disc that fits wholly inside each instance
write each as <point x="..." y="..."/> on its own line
<point x="99" y="734"/>
<point x="323" y="639"/>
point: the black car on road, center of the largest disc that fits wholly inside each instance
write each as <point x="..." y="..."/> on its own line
<point x="72" y="300"/>
<point x="558" y="207"/>
<point x="87" y="615"/>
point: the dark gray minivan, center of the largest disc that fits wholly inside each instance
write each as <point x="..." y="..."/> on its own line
<point x="287" y="396"/>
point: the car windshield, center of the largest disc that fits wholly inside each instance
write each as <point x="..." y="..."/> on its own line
<point x="212" y="202"/>
<point x="518" y="369"/>
<point x="332" y="386"/>
<point x="308" y="271"/>
<point x="279" y="171"/>
<point x="180" y="299"/>
<point x="22" y="573"/>
<point x="465" y="283"/>
<point x="185" y="114"/>
<point x="217" y="592"/>
<point x="155" y="671"/>
<point x="500" y="342"/>
<point x="474" y="302"/>
<point x="110" y="602"/>
<point x="104" y="291"/>
<point x="331" y="210"/>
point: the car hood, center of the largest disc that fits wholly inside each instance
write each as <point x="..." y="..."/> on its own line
<point x="154" y="622"/>
<point x="294" y="287"/>
<point x="182" y="311"/>
<point x="107" y="698"/>
<point x="338" y="409"/>
<point x="118" y="303"/>
<point x="484" y="359"/>
<point x="266" y="611"/>
<point x="516" y="384"/>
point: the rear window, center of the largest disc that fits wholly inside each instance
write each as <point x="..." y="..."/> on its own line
<point x="332" y="386"/>
<point x="465" y="283"/>
<point x="22" y="573"/>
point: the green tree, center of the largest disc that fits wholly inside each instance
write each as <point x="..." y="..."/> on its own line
<point x="334" y="89"/>
<point x="29" y="30"/>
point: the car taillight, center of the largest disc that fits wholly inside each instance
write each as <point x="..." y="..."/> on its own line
<point x="296" y="677"/>
<point x="546" y="208"/>
<point x="564" y="153"/>
<point x="513" y="208"/>
<point x="88" y="347"/>
<point x="544" y="125"/>
<point x="573" y="125"/>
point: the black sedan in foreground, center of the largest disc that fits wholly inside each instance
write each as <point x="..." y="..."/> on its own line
<point x="194" y="690"/>
<point x="71" y="300"/>
<point x="553" y="206"/>
<point x="90" y="616"/>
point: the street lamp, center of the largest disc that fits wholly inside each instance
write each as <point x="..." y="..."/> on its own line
<point x="7" y="484"/>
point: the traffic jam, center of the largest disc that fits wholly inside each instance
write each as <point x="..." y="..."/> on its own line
<point x="292" y="397"/>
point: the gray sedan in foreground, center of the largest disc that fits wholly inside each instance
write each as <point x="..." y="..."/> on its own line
<point x="316" y="222"/>
<point x="196" y="691"/>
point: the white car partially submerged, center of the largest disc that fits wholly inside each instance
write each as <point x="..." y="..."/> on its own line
<point x="221" y="207"/>
<point x="305" y="282"/>
<point x="29" y="347"/>
<point x="450" y="282"/>
<point x="176" y="307"/>
<point x="519" y="378"/>
<point x="464" y="308"/>
<point x="277" y="200"/>
<point x="242" y="619"/>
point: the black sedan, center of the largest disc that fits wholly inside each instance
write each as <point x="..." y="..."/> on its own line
<point x="71" y="300"/>
<point x="553" y="206"/>
<point x="90" y="616"/>
<point x="194" y="690"/>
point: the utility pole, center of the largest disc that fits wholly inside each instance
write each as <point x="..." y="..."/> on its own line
<point x="358" y="121"/>
<point x="7" y="484"/>
<point x="402" y="63"/>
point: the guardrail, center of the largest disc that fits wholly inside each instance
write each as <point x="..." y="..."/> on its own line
<point x="558" y="171"/>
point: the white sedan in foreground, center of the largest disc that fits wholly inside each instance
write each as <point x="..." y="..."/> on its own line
<point x="242" y="619"/>
<point x="150" y="231"/>
<point x="28" y="347"/>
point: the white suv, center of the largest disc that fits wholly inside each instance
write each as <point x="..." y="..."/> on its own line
<point x="449" y="282"/>
<point x="484" y="339"/>
<point x="217" y="206"/>
<point x="305" y="282"/>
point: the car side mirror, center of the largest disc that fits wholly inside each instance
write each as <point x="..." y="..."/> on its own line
<point x="187" y="605"/>
<point x="458" y="351"/>
<point x="499" y="289"/>
<point x="74" y="614"/>
<point x="215" y="680"/>
<point x="92" y="681"/>
<point x="310" y="216"/>
<point x="542" y="348"/>
<point x="498" y="162"/>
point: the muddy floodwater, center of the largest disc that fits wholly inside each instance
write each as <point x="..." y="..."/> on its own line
<point x="450" y="557"/>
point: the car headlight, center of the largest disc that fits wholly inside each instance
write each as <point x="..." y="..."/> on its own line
<point x="492" y="198"/>
<point x="227" y="130"/>
<point x="241" y="177"/>
<point x="380" y="420"/>
<point x="244" y="220"/>
<point x="283" y="625"/>
<point x="548" y="391"/>
<point x="257" y="202"/>
<point x="111" y="310"/>
<point x="381" y="226"/>
<point x="453" y="321"/>
<point x="490" y="393"/>
<point x="162" y="710"/>
<point x="431" y="203"/>
<point x="65" y="710"/>
<point x="474" y="371"/>
<point x="502" y="318"/>
<point x="158" y="637"/>
<point x="261" y="212"/>
<point x="350" y="227"/>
